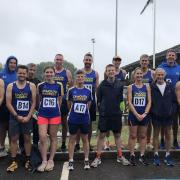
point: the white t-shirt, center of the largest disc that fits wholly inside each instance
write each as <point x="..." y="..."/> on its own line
<point x="161" y="87"/>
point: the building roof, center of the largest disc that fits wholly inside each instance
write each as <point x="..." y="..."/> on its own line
<point x="159" y="58"/>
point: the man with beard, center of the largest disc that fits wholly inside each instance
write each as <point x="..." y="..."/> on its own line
<point x="91" y="82"/>
<point x="20" y="101"/>
<point x="172" y="70"/>
<point x="8" y="75"/>
<point x="65" y="77"/>
<point x="32" y="68"/>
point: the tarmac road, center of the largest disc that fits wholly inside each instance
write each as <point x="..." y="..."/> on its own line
<point x="108" y="170"/>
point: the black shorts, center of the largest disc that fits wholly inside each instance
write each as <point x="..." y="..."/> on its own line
<point x="64" y="107"/>
<point x="162" y="121"/>
<point x="74" y="128"/>
<point x="16" y="128"/>
<point x="92" y="112"/>
<point x="4" y="113"/>
<point x="113" y="123"/>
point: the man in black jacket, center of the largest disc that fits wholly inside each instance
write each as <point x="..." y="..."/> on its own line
<point x="164" y="106"/>
<point x="109" y="97"/>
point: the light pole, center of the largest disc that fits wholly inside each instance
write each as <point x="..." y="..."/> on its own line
<point x="154" y="28"/>
<point x="116" y="28"/>
<point x="93" y="42"/>
<point x="154" y="34"/>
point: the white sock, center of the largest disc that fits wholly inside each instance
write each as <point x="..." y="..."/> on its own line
<point x="167" y="154"/>
<point x="156" y="153"/>
<point x="70" y="160"/>
<point x="142" y="155"/>
<point x="86" y="159"/>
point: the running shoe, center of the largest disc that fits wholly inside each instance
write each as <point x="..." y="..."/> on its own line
<point x="27" y="165"/>
<point x="168" y="161"/>
<point x="132" y="160"/>
<point x="3" y="152"/>
<point x="176" y="144"/>
<point x="12" y="167"/>
<point x="156" y="160"/>
<point x="49" y="166"/>
<point x="42" y="166"/>
<point x="123" y="161"/>
<point x="107" y="146"/>
<point x="143" y="160"/>
<point x="86" y="165"/>
<point x="70" y="166"/>
<point x="149" y="146"/>
<point x="137" y="146"/>
<point x="96" y="162"/>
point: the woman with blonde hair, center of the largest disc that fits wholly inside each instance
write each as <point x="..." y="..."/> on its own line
<point x="139" y="101"/>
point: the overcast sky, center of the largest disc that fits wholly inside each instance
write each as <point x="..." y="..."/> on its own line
<point x="35" y="30"/>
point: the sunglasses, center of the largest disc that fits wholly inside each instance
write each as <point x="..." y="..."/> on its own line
<point x="117" y="60"/>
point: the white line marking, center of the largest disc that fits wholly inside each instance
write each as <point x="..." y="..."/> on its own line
<point x="65" y="172"/>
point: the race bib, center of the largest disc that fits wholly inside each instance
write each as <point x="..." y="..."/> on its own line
<point x="88" y="86"/>
<point x="80" y="108"/>
<point x="49" y="102"/>
<point x="139" y="101"/>
<point x="22" y="105"/>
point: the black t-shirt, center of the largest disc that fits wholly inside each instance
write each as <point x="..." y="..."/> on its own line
<point x="36" y="81"/>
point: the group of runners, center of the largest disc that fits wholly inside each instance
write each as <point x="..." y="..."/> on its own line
<point x="28" y="106"/>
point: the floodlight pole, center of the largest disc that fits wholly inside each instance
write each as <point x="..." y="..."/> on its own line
<point x="116" y="28"/>
<point x="93" y="42"/>
<point x="154" y="34"/>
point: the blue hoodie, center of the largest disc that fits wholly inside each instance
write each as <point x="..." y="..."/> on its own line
<point x="6" y="75"/>
<point x="172" y="72"/>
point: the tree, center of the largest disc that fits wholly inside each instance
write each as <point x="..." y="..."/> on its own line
<point x="42" y="65"/>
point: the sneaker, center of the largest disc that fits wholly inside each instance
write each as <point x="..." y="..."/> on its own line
<point x="76" y="148"/>
<point x="86" y="165"/>
<point x="156" y="160"/>
<point x="49" y="166"/>
<point x="132" y="160"/>
<point x="42" y="166"/>
<point x="106" y="146"/>
<point x="142" y="159"/>
<point x="70" y="166"/>
<point x="149" y="146"/>
<point x="12" y="167"/>
<point x="63" y="147"/>
<point x="27" y="165"/>
<point x="3" y="152"/>
<point x="168" y="161"/>
<point x="162" y="144"/>
<point x="96" y="162"/>
<point x="137" y="146"/>
<point x="176" y="144"/>
<point x="123" y="161"/>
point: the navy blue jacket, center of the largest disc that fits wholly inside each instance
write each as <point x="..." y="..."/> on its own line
<point x="7" y="75"/>
<point x="109" y="96"/>
<point x="163" y="106"/>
